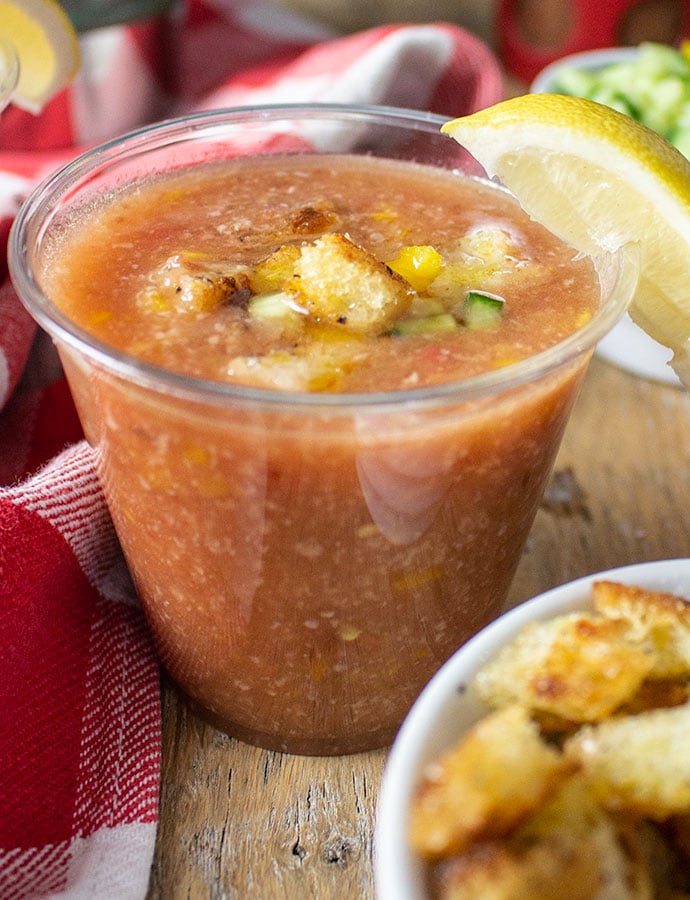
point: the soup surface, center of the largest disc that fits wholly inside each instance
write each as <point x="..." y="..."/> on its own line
<point x="319" y="274"/>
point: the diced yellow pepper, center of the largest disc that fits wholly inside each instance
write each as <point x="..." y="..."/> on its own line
<point x="187" y="256"/>
<point x="349" y="632"/>
<point x="155" y="302"/>
<point x="385" y="214"/>
<point x="324" y="381"/>
<point x="328" y="334"/>
<point x="100" y="316"/>
<point x="319" y="667"/>
<point x="195" y="454"/>
<point x="271" y="272"/>
<point x="418" y="264"/>
<point x="411" y="581"/>
<point x="583" y="318"/>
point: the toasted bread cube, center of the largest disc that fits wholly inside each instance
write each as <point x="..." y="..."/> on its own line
<point x="639" y="764"/>
<point x="577" y="667"/>
<point x="206" y="292"/>
<point x="498" y="774"/>
<point x="342" y="284"/>
<point x="660" y="620"/>
<point x="657" y="693"/>
<point x="571" y="849"/>
<point x="492" y="872"/>
<point x="313" y="219"/>
<point x="679" y="828"/>
<point x="189" y="282"/>
<point x="316" y="370"/>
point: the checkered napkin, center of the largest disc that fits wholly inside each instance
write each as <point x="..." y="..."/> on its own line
<point x="79" y="691"/>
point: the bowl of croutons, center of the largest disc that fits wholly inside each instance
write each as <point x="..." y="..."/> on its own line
<point x="550" y="756"/>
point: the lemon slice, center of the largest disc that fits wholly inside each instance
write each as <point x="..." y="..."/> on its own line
<point x="47" y="47"/>
<point x="598" y="180"/>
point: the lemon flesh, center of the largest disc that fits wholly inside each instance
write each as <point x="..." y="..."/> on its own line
<point x="46" y="44"/>
<point x="598" y="180"/>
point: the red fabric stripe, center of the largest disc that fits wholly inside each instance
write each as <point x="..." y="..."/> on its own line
<point x="35" y="425"/>
<point x="17" y="330"/>
<point x="56" y="425"/>
<point x="471" y="80"/>
<point x="47" y="608"/>
<point x="5" y="225"/>
<point x="21" y="130"/>
<point x="227" y="49"/>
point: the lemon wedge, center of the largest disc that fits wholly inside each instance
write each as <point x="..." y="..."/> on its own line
<point x="47" y="47"/>
<point x="598" y="180"/>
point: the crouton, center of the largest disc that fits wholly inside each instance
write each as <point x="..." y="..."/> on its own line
<point x="659" y="620"/>
<point x="657" y="693"/>
<point x="577" y="667"/>
<point x="571" y="849"/>
<point x="187" y="282"/>
<point x="342" y="284"/>
<point x="545" y="871"/>
<point x="679" y="830"/>
<point x="313" y="219"/>
<point x="639" y="764"/>
<point x="609" y="813"/>
<point x="314" y="371"/>
<point x="482" y="788"/>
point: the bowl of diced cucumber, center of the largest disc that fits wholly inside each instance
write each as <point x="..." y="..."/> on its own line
<point x="650" y="83"/>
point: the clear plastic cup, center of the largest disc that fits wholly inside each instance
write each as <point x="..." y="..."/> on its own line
<point x="318" y="556"/>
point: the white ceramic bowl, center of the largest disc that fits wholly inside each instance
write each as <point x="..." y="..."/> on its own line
<point x="448" y="706"/>
<point x="626" y="345"/>
<point x="588" y="59"/>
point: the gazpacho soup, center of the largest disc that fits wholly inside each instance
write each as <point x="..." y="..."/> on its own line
<point x="311" y="545"/>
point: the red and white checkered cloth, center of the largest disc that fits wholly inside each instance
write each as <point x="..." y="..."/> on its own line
<point x="79" y="690"/>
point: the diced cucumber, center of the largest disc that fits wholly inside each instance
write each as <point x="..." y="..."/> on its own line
<point x="271" y="306"/>
<point x="426" y="325"/>
<point x="576" y="82"/>
<point x="482" y="310"/>
<point x="613" y="98"/>
<point x="681" y="139"/>
<point x="652" y="87"/>
<point x="658" y="60"/>
<point x="421" y="307"/>
<point x="277" y="309"/>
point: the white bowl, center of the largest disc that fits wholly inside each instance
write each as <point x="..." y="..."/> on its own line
<point x="588" y="59"/>
<point x="448" y="706"/>
<point x="626" y="346"/>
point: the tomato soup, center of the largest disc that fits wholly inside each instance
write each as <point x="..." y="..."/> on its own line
<point x="310" y="551"/>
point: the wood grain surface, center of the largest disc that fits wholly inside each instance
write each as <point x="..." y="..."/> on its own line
<point x="240" y="822"/>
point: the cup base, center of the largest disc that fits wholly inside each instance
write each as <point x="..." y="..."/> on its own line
<point x="300" y="745"/>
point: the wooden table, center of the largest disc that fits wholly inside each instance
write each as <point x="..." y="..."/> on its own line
<point x="239" y="822"/>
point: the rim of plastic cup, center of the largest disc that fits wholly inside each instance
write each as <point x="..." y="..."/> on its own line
<point x="33" y="220"/>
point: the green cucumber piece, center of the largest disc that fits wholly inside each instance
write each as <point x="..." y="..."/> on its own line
<point x="426" y="325"/>
<point x="482" y="310"/>
<point x="652" y="87"/>
<point x="272" y="306"/>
